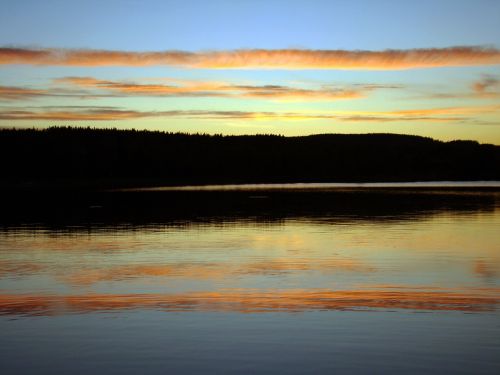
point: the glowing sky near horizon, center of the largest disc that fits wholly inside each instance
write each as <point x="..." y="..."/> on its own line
<point x="429" y="68"/>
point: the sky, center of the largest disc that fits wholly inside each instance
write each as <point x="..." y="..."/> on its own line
<point x="429" y="68"/>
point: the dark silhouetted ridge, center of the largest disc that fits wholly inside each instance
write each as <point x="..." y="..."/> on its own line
<point x="111" y="157"/>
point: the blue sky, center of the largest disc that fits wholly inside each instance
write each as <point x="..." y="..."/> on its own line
<point x="445" y="102"/>
<point x="195" y="25"/>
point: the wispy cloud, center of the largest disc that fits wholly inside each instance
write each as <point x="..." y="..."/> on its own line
<point x="424" y="119"/>
<point x="261" y="58"/>
<point x="17" y="93"/>
<point x="220" y="89"/>
<point x="487" y="86"/>
<point x="446" y="114"/>
<point x="103" y="114"/>
<point x="93" y="114"/>
<point x="459" y="110"/>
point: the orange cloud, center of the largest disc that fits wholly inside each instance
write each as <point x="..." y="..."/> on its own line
<point x="487" y="87"/>
<point x="447" y="114"/>
<point x="260" y="58"/>
<point x="401" y="119"/>
<point x="92" y="114"/>
<point x="16" y="93"/>
<point x="485" y="83"/>
<point x="108" y="114"/>
<point x="287" y="93"/>
<point x="439" y="111"/>
<point x="208" y="89"/>
<point x="443" y="114"/>
<point x="197" y="89"/>
<point x="254" y="301"/>
<point x="71" y="57"/>
<point x="11" y="93"/>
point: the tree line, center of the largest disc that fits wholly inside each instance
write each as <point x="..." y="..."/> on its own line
<point x="129" y="157"/>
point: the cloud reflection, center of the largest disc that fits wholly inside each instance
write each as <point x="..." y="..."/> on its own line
<point x="18" y="268"/>
<point x="197" y="271"/>
<point x="126" y="272"/>
<point x="488" y="270"/>
<point x="254" y="301"/>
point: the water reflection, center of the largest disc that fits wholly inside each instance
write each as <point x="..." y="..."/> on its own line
<point x="321" y="186"/>
<point x="430" y="249"/>
<point x="251" y="281"/>
<point x="136" y="210"/>
<point x="248" y="301"/>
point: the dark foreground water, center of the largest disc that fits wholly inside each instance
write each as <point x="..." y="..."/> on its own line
<point x="277" y="280"/>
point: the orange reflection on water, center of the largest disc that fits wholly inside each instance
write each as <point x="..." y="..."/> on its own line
<point x="120" y="273"/>
<point x="255" y="301"/>
<point x="280" y="265"/>
<point x="486" y="269"/>
<point x="197" y="271"/>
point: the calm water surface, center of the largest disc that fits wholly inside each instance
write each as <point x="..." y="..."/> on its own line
<point x="254" y="281"/>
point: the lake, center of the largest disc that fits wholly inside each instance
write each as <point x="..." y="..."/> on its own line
<point x="283" y="279"/>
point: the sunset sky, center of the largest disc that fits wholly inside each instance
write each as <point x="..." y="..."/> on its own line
<point x="429" y="68"/>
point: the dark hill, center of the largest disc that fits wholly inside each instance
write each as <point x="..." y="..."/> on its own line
<point x="113" y="157"/>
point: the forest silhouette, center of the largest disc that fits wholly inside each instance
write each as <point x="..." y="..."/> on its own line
<point x="114" y="158"/>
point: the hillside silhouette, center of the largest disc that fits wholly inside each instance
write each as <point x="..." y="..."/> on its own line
<point x="111" y="157"/>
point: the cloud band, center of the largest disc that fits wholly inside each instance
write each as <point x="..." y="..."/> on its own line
<point x="260" y="58"/>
